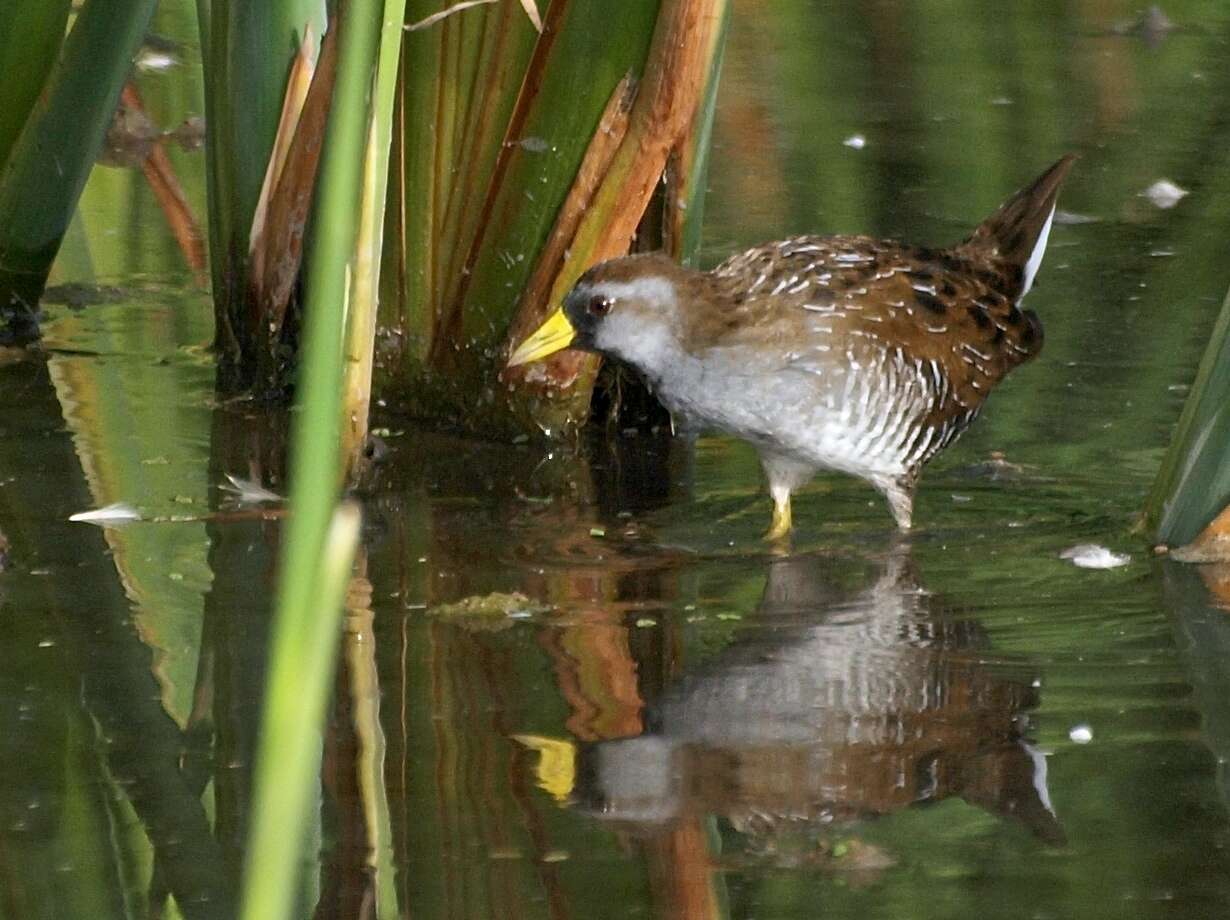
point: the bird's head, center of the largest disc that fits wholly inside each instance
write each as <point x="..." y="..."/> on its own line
<point x="626" y="308"/>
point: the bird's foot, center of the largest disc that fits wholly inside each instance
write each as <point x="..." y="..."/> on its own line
<point x="779" y="529"/>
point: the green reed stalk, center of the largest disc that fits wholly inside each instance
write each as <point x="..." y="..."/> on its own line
<point x="316" y="558"/>
<point x="369" y="240"/>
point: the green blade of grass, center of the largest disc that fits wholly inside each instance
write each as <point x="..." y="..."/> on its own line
<point x="462" y="79"/>
<point x="418" y="92"/>
<point x="505" y="46"/>
<point x="369" y="240"/>
<point x="316" y="559"/>
<point x="301" y="671"/>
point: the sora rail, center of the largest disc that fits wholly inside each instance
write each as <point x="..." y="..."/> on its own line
<point x="841" y="352"/>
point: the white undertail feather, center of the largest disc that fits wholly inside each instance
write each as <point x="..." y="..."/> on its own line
<point x="1035" y="257"/>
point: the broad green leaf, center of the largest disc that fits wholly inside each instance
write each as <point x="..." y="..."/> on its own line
<point x="1193" y="485"/>
<point x="66" y="127"/>
<point x="31" y="32"/>
<point x="247" y="55"/>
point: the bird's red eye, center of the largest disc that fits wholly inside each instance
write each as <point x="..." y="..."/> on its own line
<point x="599" y="305"/>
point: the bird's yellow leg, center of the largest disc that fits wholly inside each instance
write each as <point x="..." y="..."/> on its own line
<point x="782" y="524"/>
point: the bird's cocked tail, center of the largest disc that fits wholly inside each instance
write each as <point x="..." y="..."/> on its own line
<point x="1016" y="234"/>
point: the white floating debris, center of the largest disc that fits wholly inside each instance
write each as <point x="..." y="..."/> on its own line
<point x="1081" y="734"/>
<point x="1093" y="556"/>
<point x="532" y="144"/>
<point x="1074" y="219"/>
<point x="855" y="142"/>
<point x="249" y="491"/>
<point x="118" y="513"/>
<point x="1164" y="193"/>
<point x="155" y="61"/>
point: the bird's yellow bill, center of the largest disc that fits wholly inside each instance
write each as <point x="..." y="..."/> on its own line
<point x="550" y="337"/>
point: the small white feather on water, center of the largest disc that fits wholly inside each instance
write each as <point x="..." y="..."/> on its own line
<point x="1164" y="193"/>
<point x="249" y="491"/>
<point x="1093" y="556"/>
<point x="118" y="513"/>
<point x="1081" y="734"/>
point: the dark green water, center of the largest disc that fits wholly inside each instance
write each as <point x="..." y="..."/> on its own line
<point x="676" y="723"/>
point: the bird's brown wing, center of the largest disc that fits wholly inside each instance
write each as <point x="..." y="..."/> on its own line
<point x="941" y="310"/>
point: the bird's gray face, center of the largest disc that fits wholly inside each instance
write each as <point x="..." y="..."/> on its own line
<point x="633" y="319"/>
<point x="626" y="308"/>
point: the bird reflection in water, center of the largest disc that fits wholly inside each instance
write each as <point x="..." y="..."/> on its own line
<point x="832" y="705"/>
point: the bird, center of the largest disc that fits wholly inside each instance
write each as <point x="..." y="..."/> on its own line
<point x="843" y="353"/>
